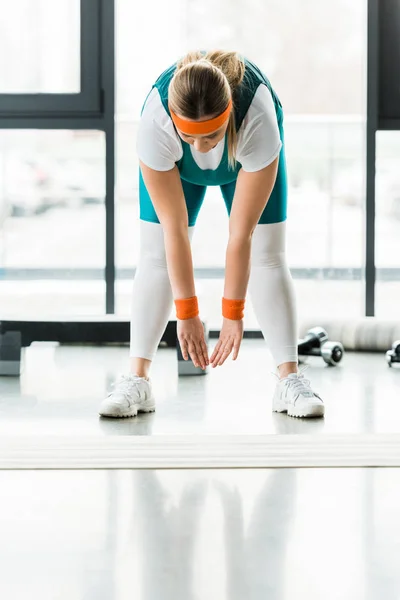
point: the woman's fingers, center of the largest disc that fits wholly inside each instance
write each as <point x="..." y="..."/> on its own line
<point x="196" y="351"/>
<point x="224" y="349"/>
<point x="215" y="351"/>
<point x="199" y="353"/>
<point x="204" y="353"/>
<point x="183" y="345"/>
<point x="223" y="353"/>
<point x="187" y="348"/>
<point x="193" y="354"/>
<point x="226" y="352"/>
<point x="236" y="348"/>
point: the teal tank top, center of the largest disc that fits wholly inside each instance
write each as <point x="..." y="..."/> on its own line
<point x="243" y="96"/>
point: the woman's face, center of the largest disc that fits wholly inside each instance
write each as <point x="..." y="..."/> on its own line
<point x="204" y="143"/>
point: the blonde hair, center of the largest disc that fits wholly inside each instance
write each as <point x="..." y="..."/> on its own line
<point x="202" y="86"/>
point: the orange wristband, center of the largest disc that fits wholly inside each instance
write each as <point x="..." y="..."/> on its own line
<point x="187" y="308"/>
<point x="233" y="309"/>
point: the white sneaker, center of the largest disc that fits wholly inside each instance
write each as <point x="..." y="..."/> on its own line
<point x="294" y="395"/>
<point x="131" y="395"/>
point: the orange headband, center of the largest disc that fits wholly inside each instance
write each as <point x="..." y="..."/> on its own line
<point x="196" y="127"/>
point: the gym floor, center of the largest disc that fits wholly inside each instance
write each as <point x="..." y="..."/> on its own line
<point x="61" y="388"/>
<point x="276" y="534"/>
<point x="281" y="534"/>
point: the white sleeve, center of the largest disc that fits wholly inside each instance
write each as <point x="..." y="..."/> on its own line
<point x="259" y="140"/>
<point x="158" y="145"/>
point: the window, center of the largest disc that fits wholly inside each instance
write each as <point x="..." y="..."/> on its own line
<point x="387" y="190"/>
<point x="52" y="223"/>
<point x="39" y="46"/>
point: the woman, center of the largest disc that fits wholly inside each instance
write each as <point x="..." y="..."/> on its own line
<point x="212" y="119"/>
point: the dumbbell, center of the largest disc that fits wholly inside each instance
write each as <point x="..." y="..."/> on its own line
<point x="393" y="355"/>
<point x="315" y="343"/>
<point x="186" y="367"/>
<point x="10" y="353"/>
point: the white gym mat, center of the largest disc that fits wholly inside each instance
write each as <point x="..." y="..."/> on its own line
<point x="197" y="452"/>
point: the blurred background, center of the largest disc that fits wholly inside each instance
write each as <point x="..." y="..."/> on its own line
<point x="52" y="182"/>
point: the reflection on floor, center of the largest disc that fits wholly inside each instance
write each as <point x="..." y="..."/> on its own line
<point x="61" y="387"/>
<point x="200" y="535"/>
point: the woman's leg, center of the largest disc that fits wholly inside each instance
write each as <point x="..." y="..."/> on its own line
<point x="151" y="298"/>
<point x="270" y="285"/>
<point x="272" y="295"/>
<point x="151" y="294"/>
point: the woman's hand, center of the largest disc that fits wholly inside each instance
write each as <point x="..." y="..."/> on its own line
<point x="191" y="339"/>
<point x="230" y="339"/>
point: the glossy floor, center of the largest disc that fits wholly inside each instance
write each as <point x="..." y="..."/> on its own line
<point x="60" y="390"/>
<point x="259" y="534"/>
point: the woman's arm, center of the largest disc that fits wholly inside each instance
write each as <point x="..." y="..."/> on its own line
<point x="251" y="196"/>
<point x="165" y="189"/>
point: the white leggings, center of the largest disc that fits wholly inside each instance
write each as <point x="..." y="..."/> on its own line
<point x="270" y="287"/>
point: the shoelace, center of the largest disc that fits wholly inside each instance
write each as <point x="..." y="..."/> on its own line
<point x="301" y="386"/>
<point x="124" y="386"/>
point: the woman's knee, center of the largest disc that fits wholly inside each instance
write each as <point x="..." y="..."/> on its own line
<point x="152" y="244"/>
<point x="152" y="247"/>
<point x="268" y="245"/>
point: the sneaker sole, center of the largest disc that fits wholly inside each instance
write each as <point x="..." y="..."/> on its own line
<point x="119" y="416"/>
<point x="132" y="413"/>
<point x="148" y="409"/>
<point x="280" y="409"/>
<point x="315" y="412"/>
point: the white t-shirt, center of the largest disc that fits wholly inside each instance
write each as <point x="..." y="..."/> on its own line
<point x="160" y="147"/>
